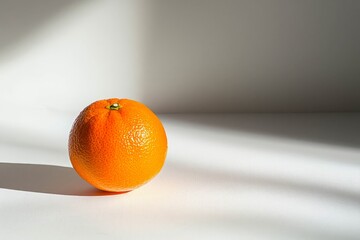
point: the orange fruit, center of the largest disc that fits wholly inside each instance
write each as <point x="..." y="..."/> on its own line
<point x="117" y="145"/>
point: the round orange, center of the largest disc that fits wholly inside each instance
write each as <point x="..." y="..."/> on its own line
<point x="117" y="145"/>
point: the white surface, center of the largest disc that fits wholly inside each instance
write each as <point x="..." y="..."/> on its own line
<point x="261" y="176"/>
<point x="181" y="56"/>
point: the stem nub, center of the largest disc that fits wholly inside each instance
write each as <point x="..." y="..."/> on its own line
<point x="114" y="106"/>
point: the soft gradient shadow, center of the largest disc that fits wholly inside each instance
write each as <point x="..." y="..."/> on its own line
<point x="214" y="176"/>
<point x="340" y="129"/>
<point x="284" y="224"/>
<point x="293" y="229"/>
<point x="19" y="19"/>
<point x="45" y="179"/>
<point x="251" y="56"/>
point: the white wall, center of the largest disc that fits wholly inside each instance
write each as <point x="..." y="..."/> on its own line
<point x="181" y="56"/>
<point x="81" y="52"/>
<point x="253" y="55"/>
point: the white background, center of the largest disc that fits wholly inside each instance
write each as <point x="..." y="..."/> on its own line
<point x="228" y="175"/>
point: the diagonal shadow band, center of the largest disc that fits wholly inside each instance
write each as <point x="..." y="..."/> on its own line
<point x="338" y="129"/>
<point x="48" y="179"/>
<point x="265" y="182"/>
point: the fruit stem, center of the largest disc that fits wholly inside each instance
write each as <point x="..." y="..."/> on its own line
<point x="114" y="106"/>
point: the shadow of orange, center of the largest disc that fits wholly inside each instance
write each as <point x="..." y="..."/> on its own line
<point x="45" y="179"/>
